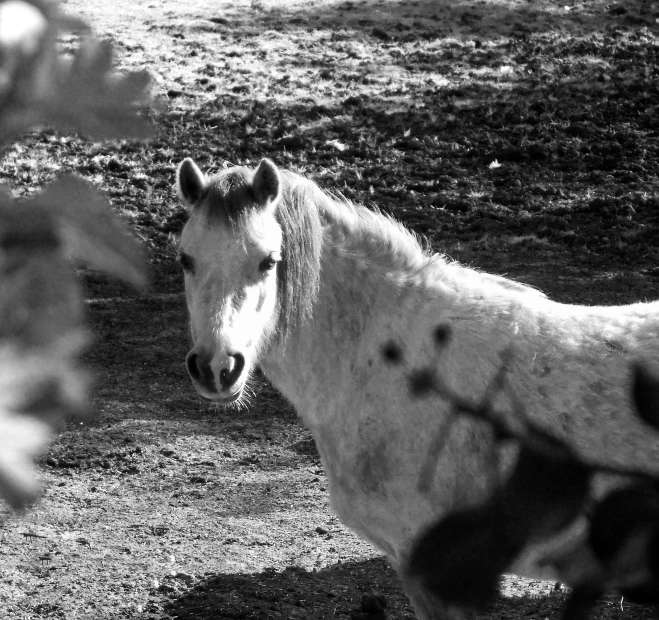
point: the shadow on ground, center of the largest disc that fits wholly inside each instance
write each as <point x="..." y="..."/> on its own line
<point x="293" y="593"/>
<point x="429" y="19"/>
<point x="355" y="590"/>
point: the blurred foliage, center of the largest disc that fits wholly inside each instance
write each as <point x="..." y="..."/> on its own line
<point x="42" y="330"/>
<point x="549" y="489"/>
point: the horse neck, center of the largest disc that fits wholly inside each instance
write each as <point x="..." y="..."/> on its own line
<point x="313" y="363"/>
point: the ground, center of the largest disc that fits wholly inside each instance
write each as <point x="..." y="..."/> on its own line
<point x="518" y="137"/>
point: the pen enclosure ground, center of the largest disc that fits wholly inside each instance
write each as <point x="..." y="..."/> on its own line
<point x="518" y="137"/>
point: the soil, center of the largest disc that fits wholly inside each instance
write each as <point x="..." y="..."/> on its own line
<point x="518" y="137"/>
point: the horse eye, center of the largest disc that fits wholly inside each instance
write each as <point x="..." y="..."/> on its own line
<point x="185" y="261"/>
<point x="268" y="263"/>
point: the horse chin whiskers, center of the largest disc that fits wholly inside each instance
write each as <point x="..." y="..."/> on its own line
<point x="242" y="403"/>
<point x="235" y="405"/>
<point x="246" y="398"/>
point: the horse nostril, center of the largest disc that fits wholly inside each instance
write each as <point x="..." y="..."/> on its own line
<point x="228" y="376"/>
<point x="191" y="365"/>
<point x="200" y="370"/>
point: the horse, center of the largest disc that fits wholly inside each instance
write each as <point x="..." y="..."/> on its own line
<point x="339" y="304"/>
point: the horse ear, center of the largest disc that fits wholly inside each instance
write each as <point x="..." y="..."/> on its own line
<point x="190" y="182"/>
<point x="266" y="183"/>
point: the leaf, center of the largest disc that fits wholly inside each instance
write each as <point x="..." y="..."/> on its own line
<point x="619" y="515"/>
<point x="580" y="602"/>
<point x="89" y="230"/>
<point x="83" y="98"/>
<point x="543" y="494"/>
<point x="645" y="391"/>
<point x="38" y="86"/>
<point x="616" y="517"/>
<point x="41" y="331"/>
<point x="22" y="438"/>
<point x="624" y="534"/>
<point x="37" y="388"/>
<point x="460" y="558"/>
<point x="22" y="26"/>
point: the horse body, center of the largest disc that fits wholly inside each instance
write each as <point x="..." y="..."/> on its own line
<point x="375" y="311"/>
<point x="569" y="370"/>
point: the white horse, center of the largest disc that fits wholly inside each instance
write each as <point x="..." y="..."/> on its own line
<point x="338" y="305"/>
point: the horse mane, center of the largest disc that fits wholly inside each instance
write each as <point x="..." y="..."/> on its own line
<point x="373" y="241"/>
<point x="312" y="218"/>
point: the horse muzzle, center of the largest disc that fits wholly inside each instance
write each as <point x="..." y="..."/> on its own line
<point x="224" y="388"/>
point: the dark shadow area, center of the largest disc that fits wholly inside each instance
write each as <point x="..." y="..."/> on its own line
<point x="345" y="591"/>
<point x="404" y="21"/>
<point x="559" y="163"/>
<point x="333" y="592"/>
<point x="511" y="155"/>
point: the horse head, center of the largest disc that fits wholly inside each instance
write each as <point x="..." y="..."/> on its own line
<point x="229" y="251"/>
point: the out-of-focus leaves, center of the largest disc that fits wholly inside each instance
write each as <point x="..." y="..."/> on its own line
<point x="461" y="557"/>
<point x="22" y="438"/>
<point x="543" y="495"/>
<point x="40" y="87"/>
<point x="648" y="592"/>
<point x="37" y="388"/>
<point x="39" y="296"/>
<point x="624" y="534"/>
<point x="89" y="231"/>
<point x="645" y="391"/>
<point x="82" y="97"/>
<point x="619" y="514"/>
<point x="41" y="336"/>
<point x="42" y="332"/>
<point x="22" y="27"/>
<point x="580" y="602"/>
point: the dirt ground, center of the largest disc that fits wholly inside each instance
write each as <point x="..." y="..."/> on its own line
<point x="518" y="137"/>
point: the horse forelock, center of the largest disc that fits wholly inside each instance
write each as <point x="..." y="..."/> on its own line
<point x="228" y="196"/>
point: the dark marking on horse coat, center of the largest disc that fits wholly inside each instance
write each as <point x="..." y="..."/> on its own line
<point x="392" y="352"/>
<point x="421" y="382"/>
<point x="442" y="335"/>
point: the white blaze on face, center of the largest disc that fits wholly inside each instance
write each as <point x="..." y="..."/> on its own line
<point x="253" y="309"/>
